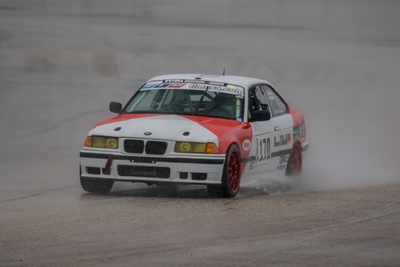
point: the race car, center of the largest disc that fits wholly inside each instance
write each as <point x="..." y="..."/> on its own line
<point x="212" y="130"/>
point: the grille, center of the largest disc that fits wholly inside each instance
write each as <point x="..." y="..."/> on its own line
<point x="134" y="146"/>
<point x="156" y="148"/>
<point x="151" y="147"/>
<point x="144" y="171"/>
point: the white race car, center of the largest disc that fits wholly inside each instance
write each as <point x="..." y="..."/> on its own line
<point x="213" y="130"/>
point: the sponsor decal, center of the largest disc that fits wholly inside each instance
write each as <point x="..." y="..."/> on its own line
<point x="216" y="83"/>
<point x="174" y="81"/>
<point x="282" y="139"/>
<point x="199" y="86"/>
<point x="163" y="85"/>
<point x="194" y="81"/>
<point x="246" y="145"/>
<point x="281" y="167"/>
<point x="150" y="85"/>
<point x="176" y="85"/>
<point x="234" y="87"/>
<point x="237" y="90"/>
<point x="283" y="159"/>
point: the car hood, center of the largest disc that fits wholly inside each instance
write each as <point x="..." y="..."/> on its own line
<point x="160" y="127"/>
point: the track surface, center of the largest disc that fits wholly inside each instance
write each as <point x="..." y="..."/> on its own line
<point x="61" y="62"/>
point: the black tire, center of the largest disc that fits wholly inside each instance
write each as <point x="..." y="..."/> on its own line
<point x="96" y="186"/>
<point x="230" y="176"/>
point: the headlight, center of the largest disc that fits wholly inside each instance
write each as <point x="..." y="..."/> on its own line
<point x="102" y="142"/>
<point x="195" y="147"/>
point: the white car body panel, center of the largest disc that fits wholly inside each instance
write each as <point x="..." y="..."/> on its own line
<point x="265" y="145"/>
<point x="162" y="127"/>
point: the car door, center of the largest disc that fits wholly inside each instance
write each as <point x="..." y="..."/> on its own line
<point x="263" y="152"/>
<point x="283" y="127"/>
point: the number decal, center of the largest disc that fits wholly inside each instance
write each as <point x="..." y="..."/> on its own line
<point x="263" y="150"/>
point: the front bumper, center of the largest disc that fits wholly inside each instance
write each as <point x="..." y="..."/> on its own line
<point x="183" y="169"/>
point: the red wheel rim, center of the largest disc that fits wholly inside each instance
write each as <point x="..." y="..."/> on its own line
<point x="234" y="171"/>
<point x="296" y="161"/>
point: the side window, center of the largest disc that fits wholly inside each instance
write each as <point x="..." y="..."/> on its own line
<point x="257" y="100"/>
<point x="278" y="107"/>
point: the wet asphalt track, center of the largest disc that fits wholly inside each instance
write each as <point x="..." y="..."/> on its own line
<point x="61" y="62"/>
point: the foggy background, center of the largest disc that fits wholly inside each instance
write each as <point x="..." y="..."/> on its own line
<point x="63" y="61"/>
<point x="337" y="61"/>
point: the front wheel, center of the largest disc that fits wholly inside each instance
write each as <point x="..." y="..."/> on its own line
<point x="96" y="186"/>
<point x="230" y="177"/>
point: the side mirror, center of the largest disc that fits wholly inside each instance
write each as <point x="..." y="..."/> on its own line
<point x="115" y="107"/>
<point x="261" y="115"/>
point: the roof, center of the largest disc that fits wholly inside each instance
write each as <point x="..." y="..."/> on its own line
<point x="230" y="79"/>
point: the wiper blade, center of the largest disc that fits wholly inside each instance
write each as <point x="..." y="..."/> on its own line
<point x="200" y="101"/>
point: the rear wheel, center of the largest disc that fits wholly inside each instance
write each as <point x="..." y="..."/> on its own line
<point x="230" y="177"/>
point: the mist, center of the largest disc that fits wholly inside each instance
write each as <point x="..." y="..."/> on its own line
<point x="335" y="64"/>
<point x="62" y="62"/>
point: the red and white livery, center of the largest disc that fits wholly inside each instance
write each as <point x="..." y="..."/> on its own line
<point x="196" y="129"/>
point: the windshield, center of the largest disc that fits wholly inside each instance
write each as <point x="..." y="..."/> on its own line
<point x="221" y="101"/>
